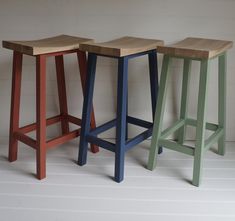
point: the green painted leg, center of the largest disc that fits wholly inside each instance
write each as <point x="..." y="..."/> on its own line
<point x="222" y="101"/>
<point x="201" y="123"/>
<point x="184" y="98"/>
<point x="159" y="112"/>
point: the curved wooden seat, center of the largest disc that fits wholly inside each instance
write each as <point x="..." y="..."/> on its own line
<point x="122" y="46"/>
<point x="196" y="48"/>
<point x="46" y="45"/>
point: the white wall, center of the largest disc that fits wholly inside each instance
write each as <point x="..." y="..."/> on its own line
<point x="103" y="20"/>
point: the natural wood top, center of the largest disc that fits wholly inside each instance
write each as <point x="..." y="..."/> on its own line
<point x="196" y="48"/>
<point x="47" y="45"/>
<point x="122" y="46"/>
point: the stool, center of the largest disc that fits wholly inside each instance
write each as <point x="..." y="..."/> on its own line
<point x="121" y="49"/>
<point x="41" y="49"/>
<point x="202" y="50"/>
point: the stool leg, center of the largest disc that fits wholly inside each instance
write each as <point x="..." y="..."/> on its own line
<point x="127" y="113"/>
<point x="222" y="101"/>
<point x="41" y="115"/>
<point x="121" y="118"/>
<point x="15" y="105"/>
<point x="62" y="93"/>
<point x="83" y="72"/>
<point x="153" y="73"/>
<point x="201" y="122"/>
<point x="87" y="109"/>
<point x="184" y="98"/>
<point x="157" y="127"/>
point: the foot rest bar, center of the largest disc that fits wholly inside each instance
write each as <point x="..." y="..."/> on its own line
<point x="101" y="143"/>
<point x="49" y="144"/>
<point x="177" y="147"/>
<point x="32" y="127"/>
<point x="138" y="139"/>
<point x="178" y="124"/>
<point x="25" y="139"/>
<point x="139" y="122"/>
<point x="103" y="128"/>
<point x="74" y="120"/>
<point x="213" y="138"/>
<point x="63" y="138"/>
<point x="209" y="126"/>
<point x="112" y="123"/>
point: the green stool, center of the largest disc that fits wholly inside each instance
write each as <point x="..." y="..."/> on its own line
<point x="203" y="50"/>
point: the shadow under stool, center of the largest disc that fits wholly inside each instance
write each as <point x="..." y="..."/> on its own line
<point x="122" y="49"/>
<point x="190" y="49"/>
<point x="41" y="50"/>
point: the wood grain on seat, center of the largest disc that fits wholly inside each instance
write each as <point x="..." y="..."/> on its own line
<point x="47" y="45"/>
<point x="122" y="46"/>
<point x="196" y="48"/>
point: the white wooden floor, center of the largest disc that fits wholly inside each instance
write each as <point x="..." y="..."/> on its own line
<point x="71" y="192"/>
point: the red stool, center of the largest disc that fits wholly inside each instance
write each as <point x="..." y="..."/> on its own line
<point x="41" y="49"/>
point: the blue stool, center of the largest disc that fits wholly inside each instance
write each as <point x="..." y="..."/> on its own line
<point x="122" y="49"/>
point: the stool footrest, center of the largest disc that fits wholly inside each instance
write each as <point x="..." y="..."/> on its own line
<point x="26" y="139"/>
<point x="21" y="133"/>
<point x="139" y="122"/>
<point x="139" y="138"/>
<point x="31" y="127"/>
<point x="103" y="127"/>
<point x="112" y="123"/>
<point x="50" y="143"/>
<point x="209" y="126"/>
<point x="177" y="147"/>
<point x="170" y="130"/>
<point x="63" y="138"/>
<point x="73" y="120"/>
<point x="213" y="138"/>
<point x="91" y="137"/>
<point x="101" y="143"/>
<point x="188" y="149"/>
<point x="52" y="120"/>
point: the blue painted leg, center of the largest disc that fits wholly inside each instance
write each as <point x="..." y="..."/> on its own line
<point x="153" y="72"/>
<point x="87" y="108"/>
<point x="127" y="113"/>
<point x="121" y="118"/>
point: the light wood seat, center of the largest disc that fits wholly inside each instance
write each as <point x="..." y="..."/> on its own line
<point x="196" y="48"/>
<point x="46" y="45"/>
<point x="122" y="46"/>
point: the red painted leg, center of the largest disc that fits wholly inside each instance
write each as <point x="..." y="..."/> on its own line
<point x="15" y="105"/>
<point x="62" y="93"/>
<point x="83" y="71"/>
<point x="41" y="115"/>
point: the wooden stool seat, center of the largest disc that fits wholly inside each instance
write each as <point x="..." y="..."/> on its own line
<point x="46" y="45"/>
<point x="196" y="48"/>
<point x="122" y="46"/>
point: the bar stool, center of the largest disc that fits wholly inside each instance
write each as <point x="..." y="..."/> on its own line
<point x="122" y="49"/>
<point x="203" y="50"/>
<point x="41" y="49"/>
